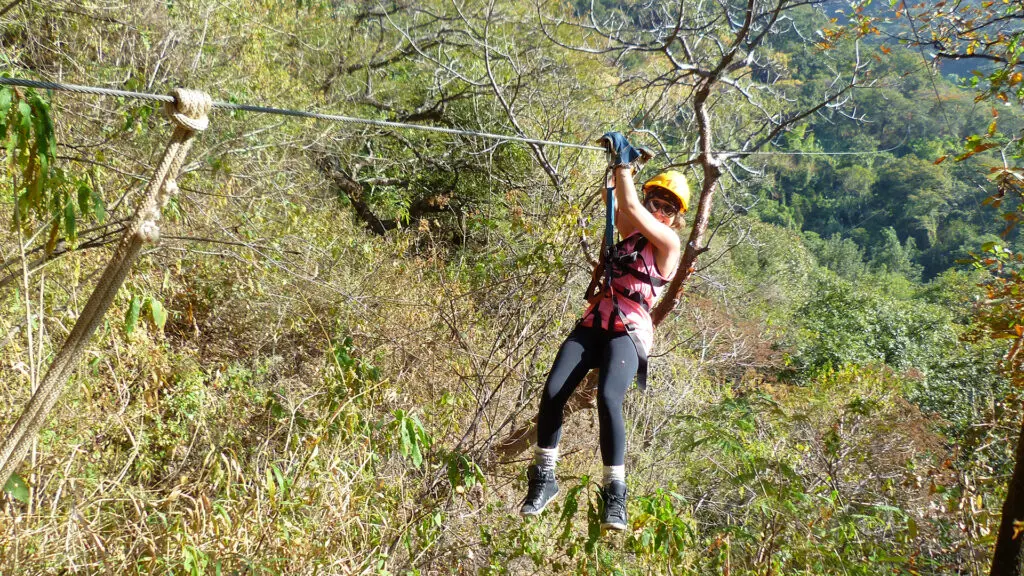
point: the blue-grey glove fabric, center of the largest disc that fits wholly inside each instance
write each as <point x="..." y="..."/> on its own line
<point x="623" y="153"/>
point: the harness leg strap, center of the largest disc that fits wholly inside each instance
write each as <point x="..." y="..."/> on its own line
<point x="641" y="353"/>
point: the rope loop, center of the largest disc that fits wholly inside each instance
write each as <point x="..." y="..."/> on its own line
<point x="190" y="109"/>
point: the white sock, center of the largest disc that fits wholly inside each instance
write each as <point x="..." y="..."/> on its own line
<point x="614" y="473"/>
<point x="545" y="458"/>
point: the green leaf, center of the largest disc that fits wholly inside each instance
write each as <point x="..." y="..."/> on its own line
<point x="17" y="488"/>
<point x="6" y="97"/>
<point x="13" y="143"/>
<point x="280" y="479"/>
<point x="99" y="208"/>
<point x="45" y="143"/>
<point x="131" y="319"/>
<point x="406" y="441"/>
<point x="414" y="445"/>
<point x="70" y="228"/>
<point x="420" y="432"/>
<point x="25" y="122"/>
<point x="5" y="107"/>
<point x="44" y="126"/>
<point x="84" y="195"/>
<point x="157" y="312"/>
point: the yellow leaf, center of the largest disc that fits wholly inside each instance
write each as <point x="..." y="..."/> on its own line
<point x="1015" y="78"/>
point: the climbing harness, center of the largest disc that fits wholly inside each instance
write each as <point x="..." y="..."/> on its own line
<point x="622" y="260"/>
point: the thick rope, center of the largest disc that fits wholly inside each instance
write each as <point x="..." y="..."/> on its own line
<point x="189" y="110"/>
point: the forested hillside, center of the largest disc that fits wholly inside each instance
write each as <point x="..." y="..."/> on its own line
<point x="321" y="365"/>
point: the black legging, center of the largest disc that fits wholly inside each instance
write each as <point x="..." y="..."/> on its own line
<point x="585" y="349"/>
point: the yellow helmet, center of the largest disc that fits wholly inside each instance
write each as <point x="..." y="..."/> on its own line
<point x="675" y="183"/>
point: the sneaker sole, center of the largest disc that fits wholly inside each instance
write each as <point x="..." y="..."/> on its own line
<point x="613" y="526"/>
<point x="542" y="508"/>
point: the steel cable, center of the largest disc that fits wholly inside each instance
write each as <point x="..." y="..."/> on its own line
<point x="286" y="112"/>
<point x="94" y="90"/>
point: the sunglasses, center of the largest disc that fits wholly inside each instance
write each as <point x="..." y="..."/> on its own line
<point x="654" y="204"/>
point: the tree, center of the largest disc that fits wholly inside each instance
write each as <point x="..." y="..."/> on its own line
<point x="838" y="254"/>
<point x="989" y="35"/>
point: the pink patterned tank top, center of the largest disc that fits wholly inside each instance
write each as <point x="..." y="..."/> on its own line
<point x="637" y="283"/>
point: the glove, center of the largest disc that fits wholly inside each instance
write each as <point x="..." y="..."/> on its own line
<point x="622" y="152"/>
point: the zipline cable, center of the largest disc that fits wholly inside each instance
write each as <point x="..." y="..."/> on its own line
<point x="96" y="91"/>
<point x="285" y="112"/>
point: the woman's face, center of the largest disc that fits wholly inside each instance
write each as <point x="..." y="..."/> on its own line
<point x="662" y="205"/>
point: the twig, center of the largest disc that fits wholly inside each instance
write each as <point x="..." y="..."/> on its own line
<point x="9" y="7"/>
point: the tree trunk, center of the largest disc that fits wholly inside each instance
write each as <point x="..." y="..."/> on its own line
<point x="1006" y="561"/>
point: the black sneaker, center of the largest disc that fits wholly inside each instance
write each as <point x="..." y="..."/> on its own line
<point x="542" y="488"/>
<point x="614" y="515"/>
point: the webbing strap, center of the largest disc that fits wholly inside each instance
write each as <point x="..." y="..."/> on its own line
<point x="631" y="257"/>
<point x="610" y="255"/>
<point x="641" y="355"/>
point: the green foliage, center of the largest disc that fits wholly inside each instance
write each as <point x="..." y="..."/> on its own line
<point x="131" y="319"/>
<point x="139" y="305"/>
<point x="661" y="530"/>
<point x="314" y="398"/>
<point x="412" y="439"/>
<point x="844" y="325"/>
<point x="17" y="488"/>
<point x="893" y="258"/>
<point x="463" y="472"/>
<point x="42" y="193"/>
<point x="906" y="186"/>
<point x="840" y="255"/>
<point x="766" y="487"/>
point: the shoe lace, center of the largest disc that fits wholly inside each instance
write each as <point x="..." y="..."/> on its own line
<point x="535" y="491"/>
<point x="616" y="505"/>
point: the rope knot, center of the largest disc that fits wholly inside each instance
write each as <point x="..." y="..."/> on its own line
<point x="169" y="189"/>
<point x="190" y="109"/>
<point x="149" y="231"/>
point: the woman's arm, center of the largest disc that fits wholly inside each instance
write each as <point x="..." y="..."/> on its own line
<point x="631" y="216"/>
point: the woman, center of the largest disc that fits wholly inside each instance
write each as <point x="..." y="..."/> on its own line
<point x="615" y="333"/>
